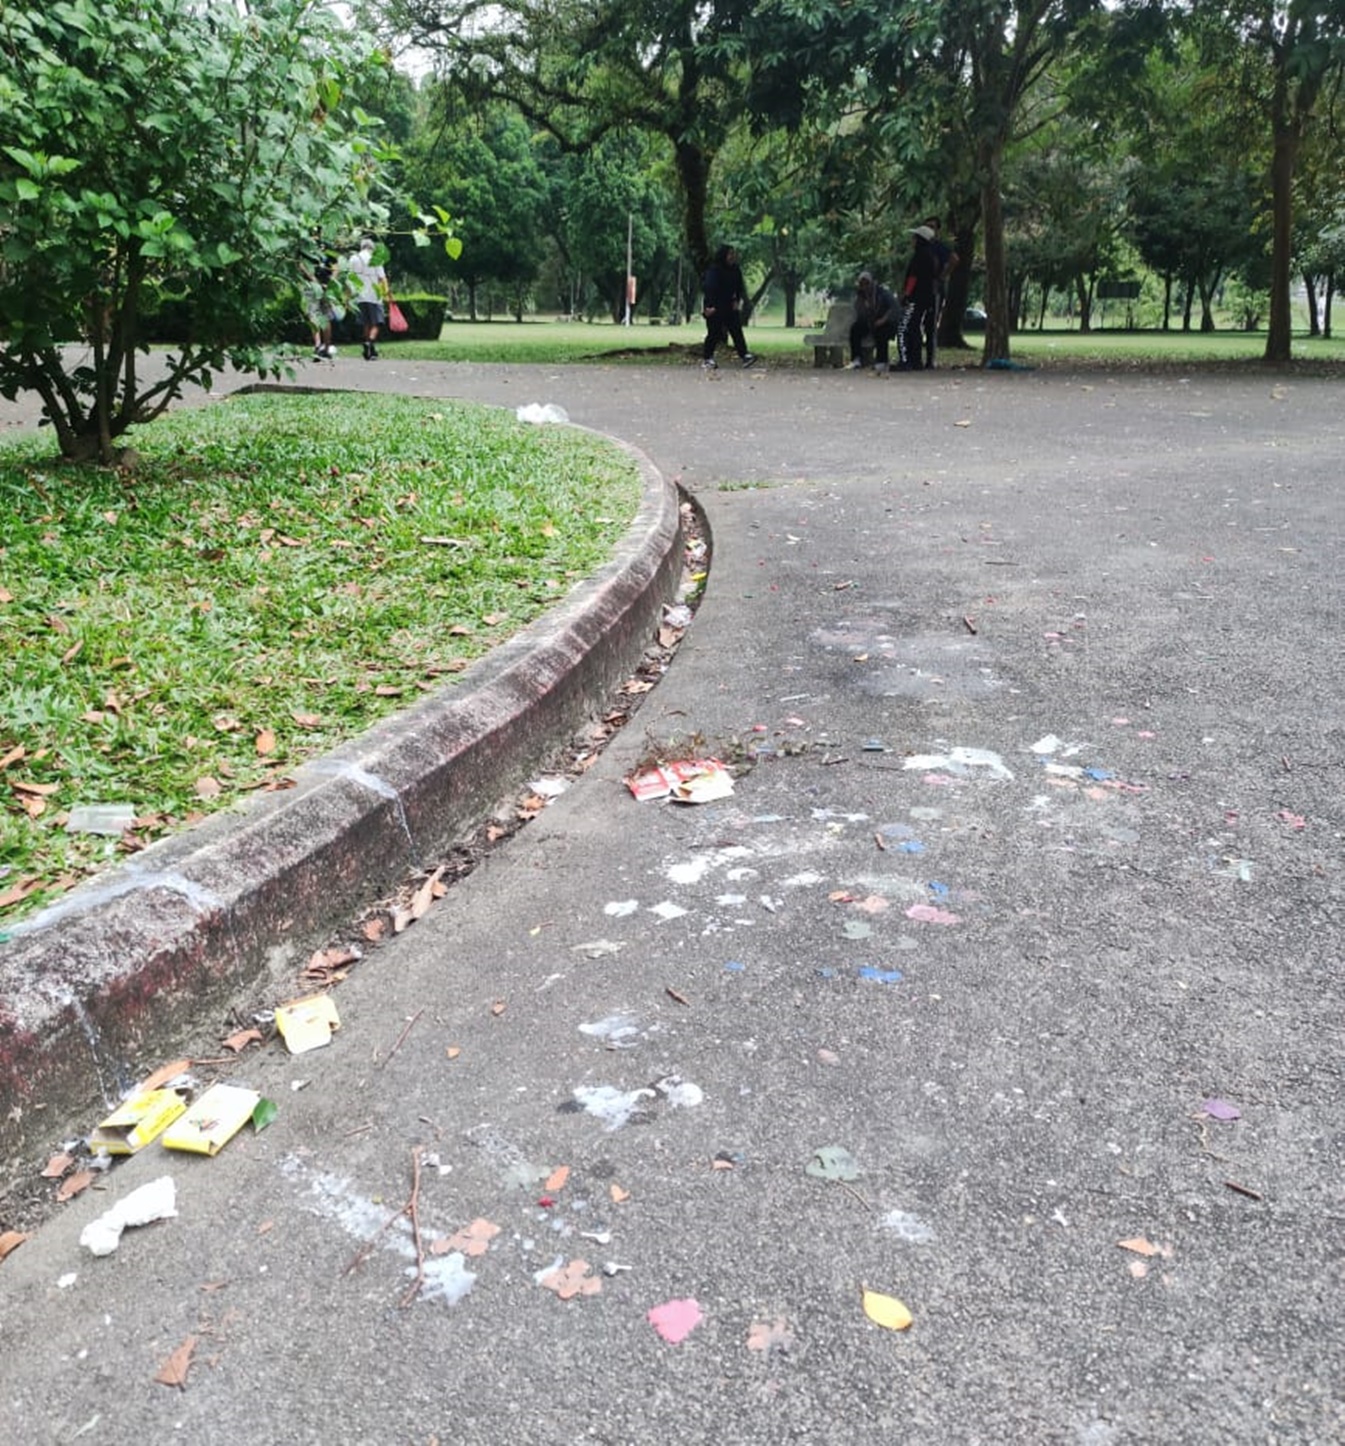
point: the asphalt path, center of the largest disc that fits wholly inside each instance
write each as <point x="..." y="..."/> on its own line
<point x="1022" y="930"/>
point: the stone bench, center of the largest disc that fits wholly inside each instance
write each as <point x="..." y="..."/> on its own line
<point x="831" y="344"/>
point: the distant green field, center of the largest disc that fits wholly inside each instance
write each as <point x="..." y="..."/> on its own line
<point x="554" y="342"/>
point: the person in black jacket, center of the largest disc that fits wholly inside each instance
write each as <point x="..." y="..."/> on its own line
<point x="725" y="296"/>
<point x="920" y="297"/>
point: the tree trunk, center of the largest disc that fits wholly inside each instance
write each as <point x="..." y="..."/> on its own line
<point x="1279" y="336"/>
<point x="1206" y="306"/>
<point x="1167" y="301"/>
<point x="959" y="289"/>
<point x="693" y="170"/>
<point x="991" y="160"/>
<point x="1314" y="319"/>
<point x="1085" y="294"/>
<point x="1326" y="305"/>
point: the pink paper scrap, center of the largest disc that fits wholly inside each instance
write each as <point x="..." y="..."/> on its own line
<point x="674" y="1320"/>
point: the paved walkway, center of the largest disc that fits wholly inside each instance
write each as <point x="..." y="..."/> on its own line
<point x="1030" y="907"/>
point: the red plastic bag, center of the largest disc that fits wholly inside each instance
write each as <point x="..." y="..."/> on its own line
<point x="396" y="321"/>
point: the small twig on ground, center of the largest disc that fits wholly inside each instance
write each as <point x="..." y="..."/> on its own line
<point x="412" y="1208"/>
<point x="367" y="1249"/>
<point x="401" y="1038"/>
<point x="846" y="1186"/>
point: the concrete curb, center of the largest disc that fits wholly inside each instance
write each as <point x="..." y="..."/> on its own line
<point x="98" y="987"/>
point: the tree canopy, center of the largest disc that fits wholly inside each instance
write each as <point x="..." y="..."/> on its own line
<point x="166" y="151"/>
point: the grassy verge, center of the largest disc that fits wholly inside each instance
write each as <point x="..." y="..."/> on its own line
<point x="555" y="342"/>
<point x="276" y="574"/>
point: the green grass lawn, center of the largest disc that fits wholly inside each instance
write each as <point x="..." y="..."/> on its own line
<point x="558" y="342"/>
<point x="276" y="574"/>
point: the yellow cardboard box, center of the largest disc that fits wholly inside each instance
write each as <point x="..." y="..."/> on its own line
<point x="135" y="1122"/>
<point x="213" y="1120"/>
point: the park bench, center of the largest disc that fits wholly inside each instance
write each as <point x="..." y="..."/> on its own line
<point x="832" y="342"/>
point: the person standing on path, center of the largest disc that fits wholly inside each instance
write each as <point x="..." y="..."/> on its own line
<point x="876" y="315"/>
<point x="725" y="296"/>
<point x="318" y="269"/>
<point x="919" y="296"/>
<point x="371" y="292"/>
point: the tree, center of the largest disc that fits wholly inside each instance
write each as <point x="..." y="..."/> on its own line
<point x="485" y="170"/>
<point x="922" y="67"/>
<point x="1294" y="50"/>
<point x="584" y="69"/>
<point x="1194" y="202"/>
<point x="611" y="191"/>
<point x="179" y="149"/>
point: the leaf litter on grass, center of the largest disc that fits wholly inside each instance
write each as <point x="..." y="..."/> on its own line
<point x="262" y="587"/>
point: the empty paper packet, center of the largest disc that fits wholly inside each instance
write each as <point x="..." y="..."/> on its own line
<point x="308" y="1023"/>
<point x="213" y="1120"/>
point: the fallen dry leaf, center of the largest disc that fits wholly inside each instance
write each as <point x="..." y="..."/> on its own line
<point x="174" y="1370"/>
<point x="307" y="720"/>
<point x="473" y="1239"/>
<point x="17" y="892"/>
<point x="57" y="1166"/>
<point x="75" y="1185"/>
<point x="453" y="1051"/>
<point x="571" y="1280"/>
<point x="374" y="929"/>
<point x="14" y="755"/>
<point x="325" y="960"/>
<point x="244" y="1037"/>
<point x="557" y="1178"/>
<point x="619" y="1196"/>
<point x="208" y="787"/>
<point x="1138" y="1245"/>
<point x="11" y="1240"/>
<point x="162" y="1075"/>
<point x="265" y="742"/>
<point x="41" y="790"/>
<point x="498" y="1008"/>
<point x="425" y="895"/>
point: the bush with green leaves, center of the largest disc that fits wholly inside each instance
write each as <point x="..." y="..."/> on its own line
<point x="167" y="153"/>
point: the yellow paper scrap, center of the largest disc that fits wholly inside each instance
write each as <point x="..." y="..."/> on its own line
<point x="308" y="1023"/>
<point x="213" y="1120"/>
